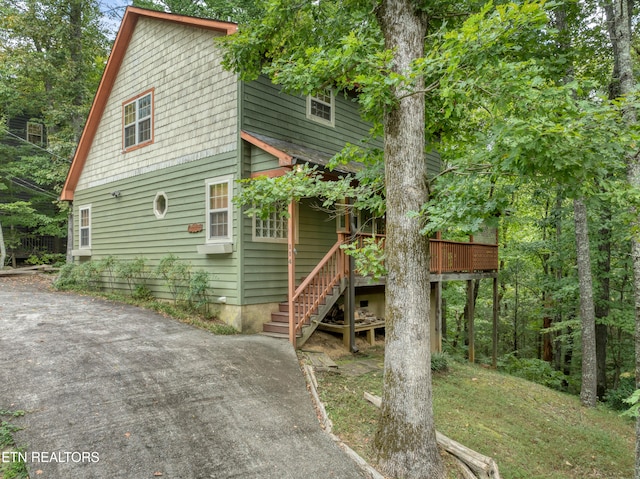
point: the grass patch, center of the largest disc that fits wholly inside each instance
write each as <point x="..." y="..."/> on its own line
<point x="15" y="467"/>
<point x="531" y="431"/>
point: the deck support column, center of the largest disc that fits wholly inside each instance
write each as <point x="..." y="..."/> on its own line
<point x="494" y="353"/>
<point x="291" y="263"/>
<point x="350" y="295"/>
<point x="438" y="318"/>
<point x="471" y="314"/>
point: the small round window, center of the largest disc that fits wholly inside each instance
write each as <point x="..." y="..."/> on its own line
<point x="160" y="205"/>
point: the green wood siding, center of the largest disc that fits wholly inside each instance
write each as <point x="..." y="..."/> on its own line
<point x="434" y="163"/>
<point x="126" y="227"/>
<point x="268" y="111"/>
<point x="264" y="276"/>
<point x="261" y="160"/>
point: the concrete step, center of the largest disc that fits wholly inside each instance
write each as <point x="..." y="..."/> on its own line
<point x="277" y="335"/>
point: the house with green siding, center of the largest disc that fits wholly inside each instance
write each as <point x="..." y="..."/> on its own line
<point x="169" y="134"/>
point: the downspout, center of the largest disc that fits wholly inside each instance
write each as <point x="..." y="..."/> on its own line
<point x="70" y="234"/>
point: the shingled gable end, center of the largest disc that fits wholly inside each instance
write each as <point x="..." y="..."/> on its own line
<point x="120" y="45"/>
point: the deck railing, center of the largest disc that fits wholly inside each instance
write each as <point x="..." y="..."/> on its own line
<point x="452" y="256"/>
<point x="457" y="257"/>
<point x="317" y="286"/>
<point x="30" y="245"/>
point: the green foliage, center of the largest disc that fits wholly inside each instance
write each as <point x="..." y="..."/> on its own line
<point x="110" y="265"/>
<point x="12" y="469"/>
<point x="142" y="292"/>
<point x="369" y="257"/>
<point x="175" y="274"/>
<point x="439" y="362"/>
<point x="634" y="402"/>
<point x="83" y="276"/>
<point x="55" y="259"/>
<point x="624" y="395"/>
<point x="239" y="11"/>
<point x="66" y="277"/>
<point x="15" y="469"/>
<point x="534" y="370"/>
<point x="88" y="275"/>
<point x="133" y="272"/>
<point x="53" y="54"/>
<point x="198" y="291"/>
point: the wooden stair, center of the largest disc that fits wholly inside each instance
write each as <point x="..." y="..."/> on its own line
<point x="278" y="327"/>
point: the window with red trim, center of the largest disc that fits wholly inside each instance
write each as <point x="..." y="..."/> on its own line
<point x="137" y="123"/>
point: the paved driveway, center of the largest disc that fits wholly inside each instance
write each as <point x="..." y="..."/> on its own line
<point x="113" y="391"/>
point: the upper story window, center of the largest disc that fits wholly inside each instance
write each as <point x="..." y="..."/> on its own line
<point x="137" y="121"/>
<point x="35" y="133"/>
<point x="85" y="226"/>
<point x="219" y="209"/>
<point x="321" y="107"/>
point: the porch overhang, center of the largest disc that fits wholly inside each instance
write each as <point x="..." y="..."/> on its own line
<point x="290" y="154"/>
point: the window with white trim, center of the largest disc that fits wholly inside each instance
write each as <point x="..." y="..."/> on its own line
<point x="274" y="228"/>
<point x="321" y="107"/>
<point x="160" y="205"/>
<point x="219" y="209"/>
<point x="35" y="133"/>
<point x="137" y="121"/>
<point x="84" y="226"/>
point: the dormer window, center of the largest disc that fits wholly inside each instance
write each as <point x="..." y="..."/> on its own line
<point x="321" y="107"/>
<point x="137" y="114"/>
<point x="35" y="133"/>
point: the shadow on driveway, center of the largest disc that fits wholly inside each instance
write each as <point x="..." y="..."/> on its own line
<point x="144" y="396"/>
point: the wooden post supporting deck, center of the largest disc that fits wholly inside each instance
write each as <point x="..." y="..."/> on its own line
<point x="438" y="318"/>
<point x="471" y="313"/>
<point x="291" y="261"/>
<point x="496" y="308"/>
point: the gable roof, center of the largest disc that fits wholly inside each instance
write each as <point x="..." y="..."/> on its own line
<point x="127" y="27"/>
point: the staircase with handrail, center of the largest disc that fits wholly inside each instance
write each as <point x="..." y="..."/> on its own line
<point x="299" y="317"/>
<point x="312" y="299"/>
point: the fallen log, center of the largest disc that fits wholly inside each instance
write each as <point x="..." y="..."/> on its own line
<point x="482" y="467"/>
<point x="28" y="270"/>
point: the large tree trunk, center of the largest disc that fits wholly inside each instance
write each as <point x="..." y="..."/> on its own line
<point x="406" y="440"/>
<point x="603" y="268"/>
<point x="619" y="14"/>
<point x="588" y="393"/>
<point x="3" y="250"/>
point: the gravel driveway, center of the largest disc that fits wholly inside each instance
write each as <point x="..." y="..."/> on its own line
<point x="114" y="391"/>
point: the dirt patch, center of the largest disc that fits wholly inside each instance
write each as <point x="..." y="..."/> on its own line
<point x="331" y="344"/>
<point x="37" y="281"/>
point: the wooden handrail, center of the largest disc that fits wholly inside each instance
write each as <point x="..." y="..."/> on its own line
<point x="318" y="285"/>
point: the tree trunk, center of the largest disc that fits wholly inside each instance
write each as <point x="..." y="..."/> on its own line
<point x="619" y="13"/>
<point x="3" y="249"/>
<point x="406" y="441"/>
<point x="603" y="268"/>
<point x="588" y="393"/>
